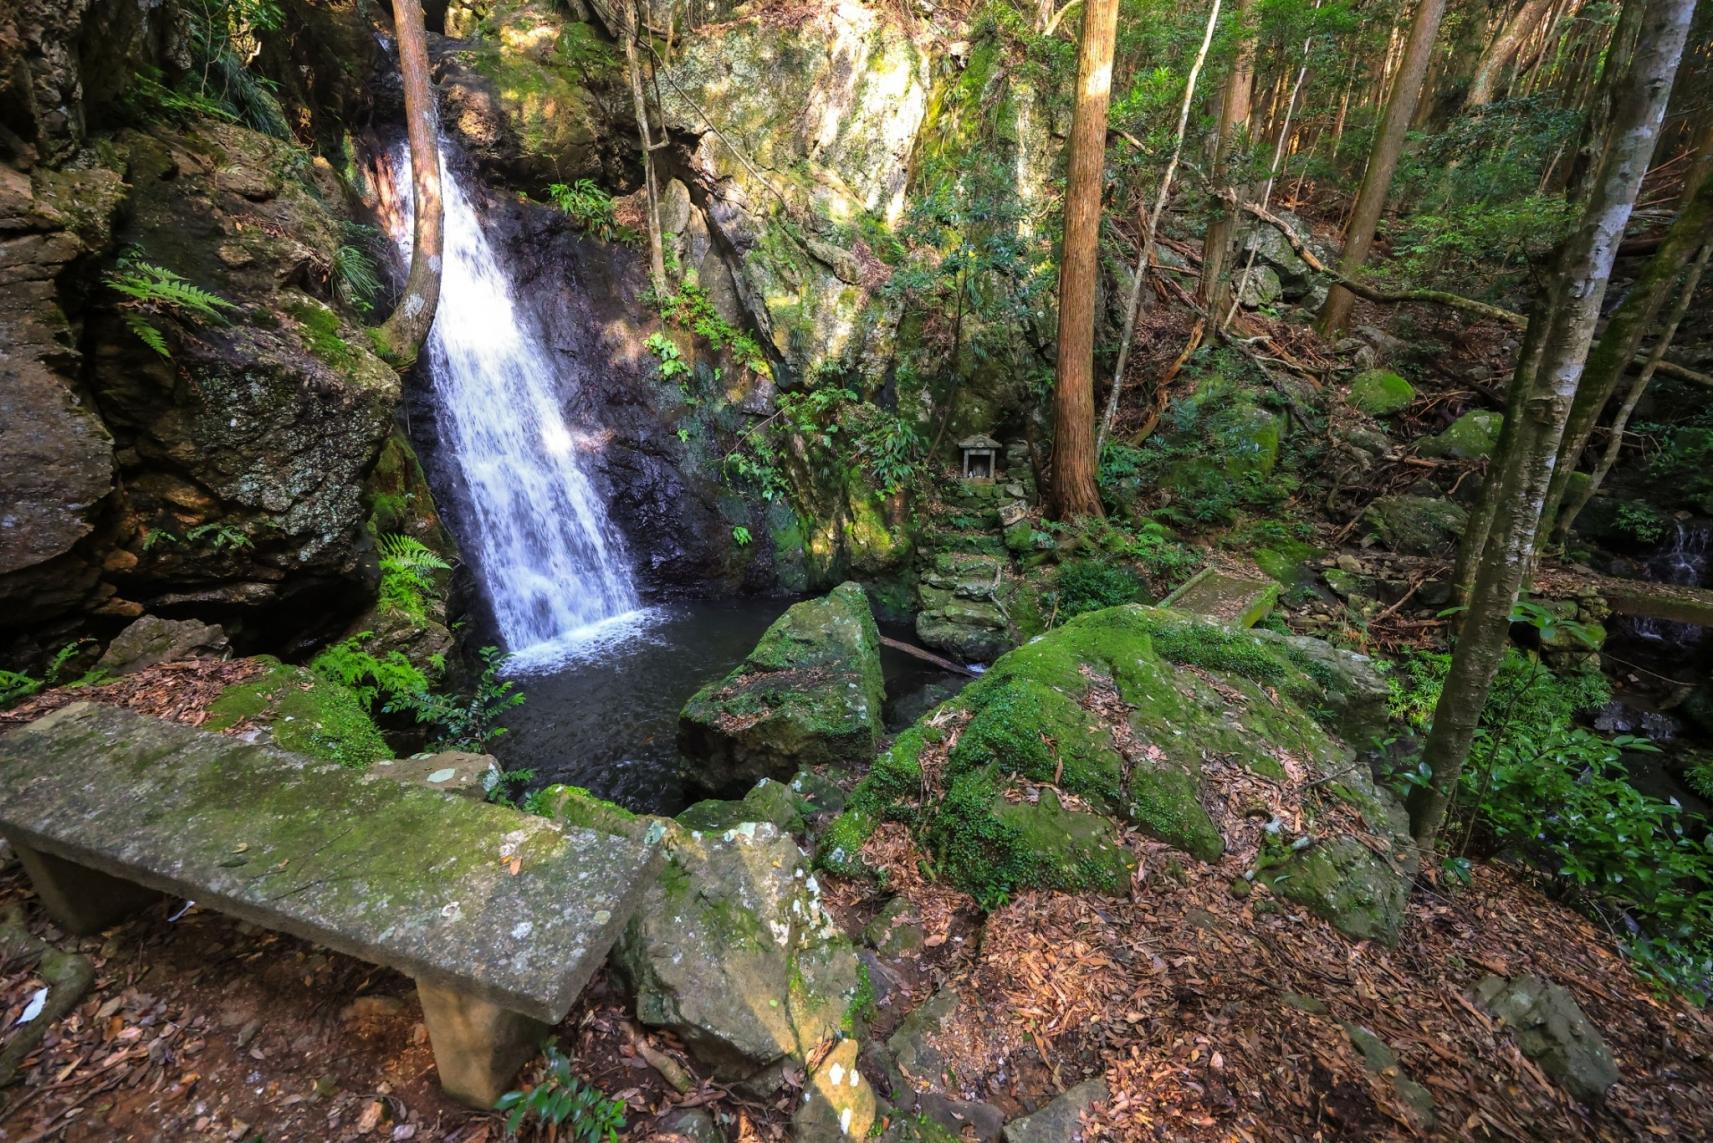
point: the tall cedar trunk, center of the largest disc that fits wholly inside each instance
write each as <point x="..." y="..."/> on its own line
<point x="1485" y="84"/>
<point x="1615" y="352"/>
<point x="651" y="193"/>
<point x="1074" y="460"/>
<point x="401" y="336"/>
<point x="1382" y="161"/>
<point x="1543" y="389"/>
<point x="1214" y="287"/>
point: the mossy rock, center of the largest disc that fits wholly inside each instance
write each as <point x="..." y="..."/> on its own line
<point x="1473" y="436"/>
<point x="768" y="801"/>
<point x="810" y="693"/>
<point x="1417" y="525"/>
<point x="303" y="713"/>
<point x="575" y="806"/>
<point x="1381" y="393"/>
<point x="1340" y="880"/>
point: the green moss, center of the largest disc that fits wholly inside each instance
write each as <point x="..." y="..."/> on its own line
<point x="575" y="806"/>
<point x="841" y="846"/>
<point x="1381" y="393"/>
<point x="320" y="328"/>
<point x="306" y="714"/>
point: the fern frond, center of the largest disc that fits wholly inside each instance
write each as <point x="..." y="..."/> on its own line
<point x="407" y="553"/>
<point x="148" y="334"/>
<point x="155" y="287"/>
<point x="355" y="279"/>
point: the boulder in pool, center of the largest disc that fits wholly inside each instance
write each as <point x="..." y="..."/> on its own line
<point x="810" y="693"/>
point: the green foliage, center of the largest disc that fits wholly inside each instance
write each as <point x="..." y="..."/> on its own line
<point x="408" y="567"/>
<point x="672" y="363"/>
<point x="564" y="1104"/>
<point x="455" y="721"/>
<point x="1090" y="585"/>
<point x="356" y="282"/>
<point x="219" y="537"/>
<point x="16" y="686"/>
<point x="219" y="85"/>
<point x="150" y="290"/>
<point x="591" y="209"/>
<point x="741" y="536"/>
<point x="505" y="788"/>
<point x="691" y="309"/>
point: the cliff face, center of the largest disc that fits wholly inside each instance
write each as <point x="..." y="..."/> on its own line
<point x="830" y="182"/>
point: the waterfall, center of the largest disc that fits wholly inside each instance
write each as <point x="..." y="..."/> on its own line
<point x="1684" y="563"/>
<point x="537" y="532"/>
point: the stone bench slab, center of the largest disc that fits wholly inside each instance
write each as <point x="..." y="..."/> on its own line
<point x="470" y="898"/>
<point x="1234" y="600"/>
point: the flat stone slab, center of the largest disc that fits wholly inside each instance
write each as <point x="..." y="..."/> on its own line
<point x="495" y="904"/>
<point x="1234" y="600"/>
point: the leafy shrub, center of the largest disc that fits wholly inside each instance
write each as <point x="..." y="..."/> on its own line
<point x="356" y="282"/>
<point x="466" y="721"/>
<point x="691" y="309"/>
<point x="591" y="209"/>
<point x="564" y="1104"/>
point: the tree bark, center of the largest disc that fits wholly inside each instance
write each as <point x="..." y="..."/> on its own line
<point x="1573" y="507"/>
<point x="1215" y="288"/>
<point x="1382" y="161"/>
<point x="401" y="336"/>
<point x="1073" y="489"/>
<point x="1623" y="335"/>
<point x="1543" y="387"/>
<point x="1502" y="51"/>
<point x="651" y="193"/>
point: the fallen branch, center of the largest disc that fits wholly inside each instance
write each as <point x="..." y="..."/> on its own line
<point x="925" y="655"/>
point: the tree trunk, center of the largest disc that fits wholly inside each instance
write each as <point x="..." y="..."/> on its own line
<point x="1502" y="50"/>
<point x="401" y="336"/>
<point x="1382" y="161"/>
<point x="1622" y="337"/>
<point x="651" y="193"/>
<point x="1566" y="518"/>
<point x="1543" y="387"/>
<point x="1074" y="460"/>
<point x="1214" y="287"/>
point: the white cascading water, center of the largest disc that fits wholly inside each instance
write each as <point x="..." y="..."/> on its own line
<point x="538" y="534"/>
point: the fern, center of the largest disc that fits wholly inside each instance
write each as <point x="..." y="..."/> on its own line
<point x="407" y="575"/>
<point x="151" y="289"/>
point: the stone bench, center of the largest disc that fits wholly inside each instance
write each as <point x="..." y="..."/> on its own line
<point x="500" y="917"/>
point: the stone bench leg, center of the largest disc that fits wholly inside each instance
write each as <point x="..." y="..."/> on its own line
<point x="81" y="899"/>
<point x="478" y="1046"/>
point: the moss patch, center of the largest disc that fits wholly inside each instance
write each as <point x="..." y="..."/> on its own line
<point x="305" y="713"/>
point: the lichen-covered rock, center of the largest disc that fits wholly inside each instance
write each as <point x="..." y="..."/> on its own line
<point x="773" y="802"/>
<point x="1381" y="393"/>
<point x="1380" y="1059"/>
<point x="1473" y="436"/>
<point x="1342" y="881"/>
<point x="811" y="692"/>
<point x="533" y="93"/>
<point x="733" y="953"/>
<point x="152" y="640"/>
<point x="1552" y="1030"/>
<point x="300" y="711"/>
<point x="838" y="1102"/>
<point x="1417" y="525"/>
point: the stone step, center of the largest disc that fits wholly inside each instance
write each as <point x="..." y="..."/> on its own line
<point x="500" y="916"/>
<point x="1225" y="597"/>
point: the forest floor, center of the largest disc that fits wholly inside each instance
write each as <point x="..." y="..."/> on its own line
<point x="1210" y="1016"/>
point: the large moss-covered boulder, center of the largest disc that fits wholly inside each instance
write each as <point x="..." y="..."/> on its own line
<point x="733" y="953"/>
<point x="1473" y="436"/>
<point x="1104" y="708"/>
<point x="810" y="693"/>
<point x="1381" y="393"/>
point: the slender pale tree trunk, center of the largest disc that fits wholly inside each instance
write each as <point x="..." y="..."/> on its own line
<point x="1234" y="110"/>
<point x="1499" y="54"/>
<point x="1382" y="161"/>
<point x="1619" y="342"/>
<point x="1074" y="493"/>
<point x="651" y="193"/>
<point x="401" y="336"/>
<point x="1562" y="328"/>
<point x="1621" y="419"/>
<point x="1146" y="251"/>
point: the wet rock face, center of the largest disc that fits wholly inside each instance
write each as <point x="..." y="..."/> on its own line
<point x="811" y="692"/>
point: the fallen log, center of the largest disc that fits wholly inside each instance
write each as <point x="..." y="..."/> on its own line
<point x="926" y="656"/>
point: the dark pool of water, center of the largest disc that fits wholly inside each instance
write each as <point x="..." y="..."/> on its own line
<point x="603" y="713"/>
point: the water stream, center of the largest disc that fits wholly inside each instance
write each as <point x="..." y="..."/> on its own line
<point x="551" y="567"/>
